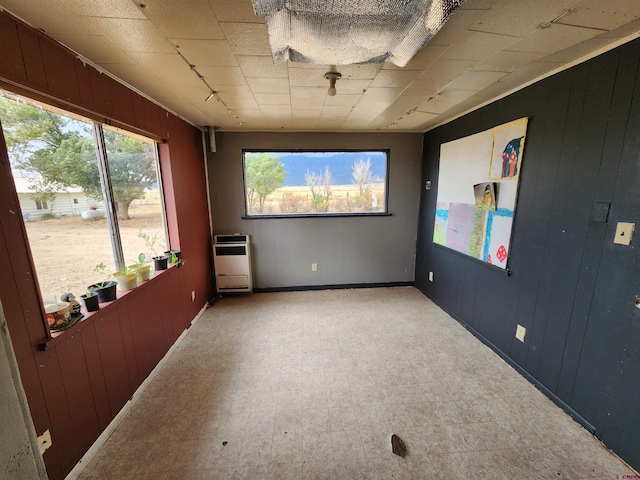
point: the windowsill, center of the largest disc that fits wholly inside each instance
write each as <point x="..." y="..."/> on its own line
<point x="104" y="307"/>
<point x="318" y="215"/>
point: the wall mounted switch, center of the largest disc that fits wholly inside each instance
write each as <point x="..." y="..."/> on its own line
<point x="314" y="267"/>
<point x="520" y="333"/>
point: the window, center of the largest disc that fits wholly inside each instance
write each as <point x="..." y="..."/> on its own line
<point x="56" y="161"/>
<point x="310" y="183"/>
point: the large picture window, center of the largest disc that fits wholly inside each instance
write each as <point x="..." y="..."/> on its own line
<point x="310" y="183"/>
<point x="89" y="194"/>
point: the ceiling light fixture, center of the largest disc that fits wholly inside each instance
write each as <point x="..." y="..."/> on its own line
<point x="332" y="77"/>
<point x="344" y="32"/>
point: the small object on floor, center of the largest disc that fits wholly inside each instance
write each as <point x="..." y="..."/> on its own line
<point x="224" y="443"/>
<point x="398" y="446"/>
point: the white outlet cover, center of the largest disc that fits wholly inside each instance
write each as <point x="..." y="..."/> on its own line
<point x="44" y="441"/>
<point x="624" y="233"/>
<point x="520" y="333"/>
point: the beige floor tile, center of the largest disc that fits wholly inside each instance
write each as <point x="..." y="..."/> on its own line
<point x="311" y="385"/>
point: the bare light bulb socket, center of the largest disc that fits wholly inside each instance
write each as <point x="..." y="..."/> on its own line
<point x="332" y="77"/>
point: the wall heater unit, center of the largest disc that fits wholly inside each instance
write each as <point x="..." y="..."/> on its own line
<point x="232" y="261"/>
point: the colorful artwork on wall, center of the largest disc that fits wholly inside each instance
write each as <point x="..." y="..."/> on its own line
<point x="477" y="189"/>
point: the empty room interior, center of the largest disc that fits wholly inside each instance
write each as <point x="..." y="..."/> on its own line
<point x="307" y="239"/>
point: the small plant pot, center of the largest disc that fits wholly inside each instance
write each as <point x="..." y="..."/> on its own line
<point x="143" y="271"/>
<point x="91" y="302"/>
<point x="127" y="281"/>
<point x="106" y="292"/>
<point x="170" y="253"/>
<point x="160" y="263"/>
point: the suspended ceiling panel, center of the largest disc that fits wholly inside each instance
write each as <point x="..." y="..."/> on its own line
<point x="487" y="49"/>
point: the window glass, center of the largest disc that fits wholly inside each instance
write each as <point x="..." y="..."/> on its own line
<point x="53" y="161"/>
<point x="56" y="165"/>
<point x="136" y="191"/>
<point x="315" y="182"/>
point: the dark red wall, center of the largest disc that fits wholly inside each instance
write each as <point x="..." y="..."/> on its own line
<point x="84" y="377"/>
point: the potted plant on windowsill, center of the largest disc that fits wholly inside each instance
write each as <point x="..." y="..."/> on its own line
<point x="106" y="290"/>
<point x="91" y="301"/>
<point x="141" y="268"/>
<point x="126" y="278"/>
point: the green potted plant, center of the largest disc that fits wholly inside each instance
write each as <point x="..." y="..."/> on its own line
<point x="106" y="290"/>
<point x="127" y="279"/>
<point x="91" y="301"/>
<point x="141" y="268"/>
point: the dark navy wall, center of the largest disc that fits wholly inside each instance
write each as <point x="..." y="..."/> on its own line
<point x="571" y="287"/>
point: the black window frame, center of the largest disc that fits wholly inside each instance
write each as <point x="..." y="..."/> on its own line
<point x="385" y="213"/>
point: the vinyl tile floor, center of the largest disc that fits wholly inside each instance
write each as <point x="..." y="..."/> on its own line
<point x="311" y="385"/>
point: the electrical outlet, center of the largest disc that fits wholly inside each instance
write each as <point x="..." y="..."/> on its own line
<point x="520" y="333"/>
<point x="44" y="441"/>
<point x="193" y="295"/>
<point x="314" y="267"/>
<point x="431" y="276"/>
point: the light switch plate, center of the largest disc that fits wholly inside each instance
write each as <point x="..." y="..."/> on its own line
<point x="520" y="333"/>
<point x="44" y="441"/>
<point x="624" y="233"/>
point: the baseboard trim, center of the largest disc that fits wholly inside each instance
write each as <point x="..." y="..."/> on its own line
<point x="534" y="381"/>
<point x="304" y="288"/>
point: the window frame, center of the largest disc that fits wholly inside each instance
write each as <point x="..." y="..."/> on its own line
<point x="385" y="213"/>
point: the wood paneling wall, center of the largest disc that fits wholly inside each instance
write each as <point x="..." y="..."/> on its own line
<point x="84" y="377"/>
<point x="571" y="286"/>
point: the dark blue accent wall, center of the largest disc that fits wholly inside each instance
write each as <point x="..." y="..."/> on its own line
<point x="571" y="287"/>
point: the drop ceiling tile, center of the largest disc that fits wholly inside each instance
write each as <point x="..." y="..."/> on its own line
<point x="434" y="106"/>
<point x="268" y="85"/>
<point x="578" y="51"/>
<point x="607" y="15"/>
<point x="359" y="72"/>
<point x="272" y="98"/>
<point x="478" y="46"/>
<point x="56" y="18"/>
<point x="527" y="73"/>
<point x="105" y="8"/>
<point x="196" y="21"/>
<point x="207" y="53"/>
<point x="394" y="78"/>
<point x="508" y="59"/>
<point x="162" y="64"/>
<point x="455" y="27"/>
<point x="630" y="29"/>
<point x="475" y="80"/>
<point x="351" y="87"/>
<point x="425" y="87"/>
<point x="350" y="100"/>
<point x="336" y="110"/>
<point x="261" y="66"/>
<point x="381" y="95"/>
<point x="133" y="35"/>
<point x="299" y="77"/>
<point x="414" y="121"/>
<point x="516" y="19"/>
<point x="95" y="47"/>
<point x="312" y="103"/>
<point x="455" y="96"/>
<point x="238" y="103"/>
<point x="247" y="38"/>
<point x="235" y="11"/>
<point x="217" y="76"/>
<point x="140" y="78"/>
<point x="305" y="113"/>
<point x="237" y="92"/>
<point x="554" y="38"/>
<point x="275" y="110"/>
<point x="422" y="60"/>
<point x="308" y="93"/>
<point x="443" y="69"/>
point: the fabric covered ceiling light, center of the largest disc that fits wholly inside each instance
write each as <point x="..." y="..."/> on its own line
<point x="344" y="32"/>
